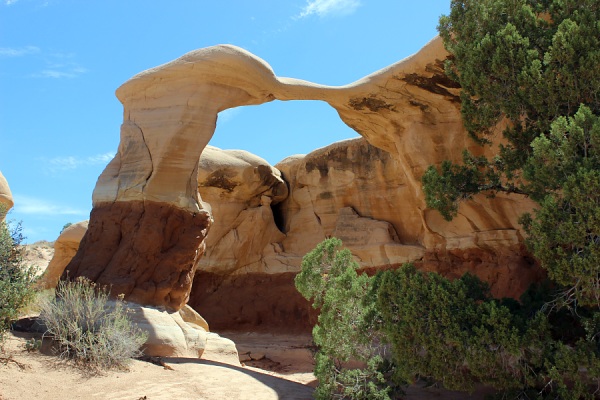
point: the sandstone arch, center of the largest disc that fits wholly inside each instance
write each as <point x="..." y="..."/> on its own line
<point x="148" y="224"/>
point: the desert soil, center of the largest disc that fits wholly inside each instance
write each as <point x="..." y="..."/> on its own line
<point x="272" y="367"/>
<point x="32" y="375"/>
<point x="37" y="376"/>
<point x="282" y="369"/>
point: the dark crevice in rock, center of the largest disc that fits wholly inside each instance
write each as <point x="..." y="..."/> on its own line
<point x="423" y="107"/>
<point x="433" y="85"/>
<point x="279" y="217"/>
<point x="318" y="218"/>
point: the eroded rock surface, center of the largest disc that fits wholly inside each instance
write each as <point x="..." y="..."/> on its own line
<point x="182" y="333"/>
<point x="148" y="227"/>
<point x="6" y="199"/>
<point x="144" y="250"/>
<point x="360" y="194"/>
<point x="242" y="189"/>
<point x="65" y="248"/>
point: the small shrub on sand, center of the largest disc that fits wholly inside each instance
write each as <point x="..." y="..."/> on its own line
<point x="89" y="328"/>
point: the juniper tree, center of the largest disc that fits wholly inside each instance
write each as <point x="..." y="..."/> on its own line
<point x="533" y="64"/>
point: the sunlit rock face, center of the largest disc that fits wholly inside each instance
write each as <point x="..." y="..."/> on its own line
<point x="353" y="191"/>
<point x="65" y="248"/>
<point x="148" y="225"/>
<point x="241" y="189"/>
<point x="148" y="229"/>
<point x="6" y="199"/>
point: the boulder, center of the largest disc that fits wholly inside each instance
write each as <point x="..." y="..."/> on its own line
<point x="242" y="190"/>
<point x="6" y="199"/>
<point x="180" y="334"/>
<point x="221" y="349"/>
<point x="65" y="247"/>
<point x="168" y="334"/>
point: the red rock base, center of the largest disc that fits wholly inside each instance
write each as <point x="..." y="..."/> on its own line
<point x="147" y="251"/>
<point x="252" y="302"/>
<point x="509" y="271"/>
<point x="271" y="303"/>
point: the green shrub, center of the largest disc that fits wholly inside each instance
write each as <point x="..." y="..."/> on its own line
<point x="16" y="280"/>
<point x="346" y="333"/>
<point x="375" y="334"/>
<point x="452" y="332"/>
<point x="89" y="328"/>
<point x="65" y="226"/>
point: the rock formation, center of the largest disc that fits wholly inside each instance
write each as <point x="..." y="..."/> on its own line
<point x="242" y="188"/>
<point x="65" y="248"/>
<point x="182" y="333"/>
<point x="360" y="194"/>
<point x="148" y="228"/>
<point x="6" y="199"/>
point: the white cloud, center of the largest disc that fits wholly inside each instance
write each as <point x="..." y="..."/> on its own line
<point x="324" y="8"/>
<point x="32" y="205"/>
<point x="60" y="70"/>
<point x="55" y="65"/>
<point x="227" y="115"/>
<point x="101" y="158"/>
<point x="18" y="52"/>
<point x="71" y="162"/>
<point x="57" y="73"/>
<point x="43" y="3"/>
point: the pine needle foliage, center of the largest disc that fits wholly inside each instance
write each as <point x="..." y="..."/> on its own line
<point x="378" y="334"/>
<point x="346" y="332"/>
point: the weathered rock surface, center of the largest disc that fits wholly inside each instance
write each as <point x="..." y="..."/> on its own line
<point x="168" y="334"/>
<point x="179" y="334"/>
<point x="65" y="248"/>
<point x="148" y="227"/>
<point x="6" y="199"/>
<point x="145" y="250"/>
<point x="360" y="194"/>
<point x="242" y="189"/>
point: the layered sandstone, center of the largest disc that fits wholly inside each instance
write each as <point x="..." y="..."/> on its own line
<point x="145" y="250"/>
<point x="241" y="188"/>
<point x="182" y="333"/>
<point x="65" y="248"/>
<point x="6" y="199"/>
<point x="148" y="227"/>
<point x="360" y="194"/>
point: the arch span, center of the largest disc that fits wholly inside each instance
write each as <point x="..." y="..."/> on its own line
<point x="148" y="223"/>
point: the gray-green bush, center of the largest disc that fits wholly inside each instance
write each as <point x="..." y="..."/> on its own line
<point x="89" y="328"/>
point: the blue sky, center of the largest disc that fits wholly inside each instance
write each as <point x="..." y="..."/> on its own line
<point x="62" y="60"/>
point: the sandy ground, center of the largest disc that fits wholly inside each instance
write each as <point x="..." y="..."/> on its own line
<point x="272" y="367"/>
<point x="282" y="369"/>
<point x="37" y="376"/>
